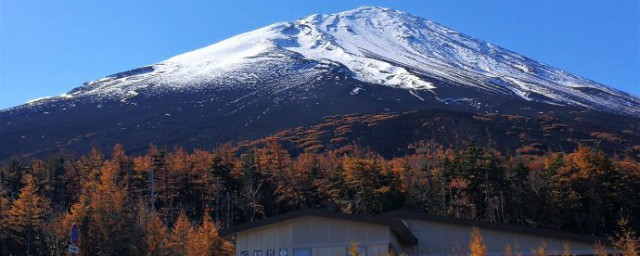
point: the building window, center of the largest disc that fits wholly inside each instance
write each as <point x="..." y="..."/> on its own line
<point x="302" y="252"/>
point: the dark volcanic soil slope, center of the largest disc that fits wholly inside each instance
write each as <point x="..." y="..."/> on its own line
<point x="401" y="134"/>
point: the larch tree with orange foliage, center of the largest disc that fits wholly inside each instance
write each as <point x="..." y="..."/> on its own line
<point x="105" y="213"/>
<point x="626" y="239"/>
<point x="79" y="215"/>
<point x="111" y="213"/>
<point x="122" y="204"/>
<point x="157" y="236"/>
<point x="5" y="205"/>
<point x="25" y="218"/>
<point x="180" y="234"/>
<point x="588" y="182"/>
<point x="206" y="186"/>
<point x="204" y="240"/>
<point x="370" y="187"/>
<point x="180" y="190"/>
<point x="476" y="246"/>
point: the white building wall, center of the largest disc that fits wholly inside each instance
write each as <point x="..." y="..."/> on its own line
<point x="330" y="236"/>
<point x="324" y="236"/>
<point x="436" y="238"/>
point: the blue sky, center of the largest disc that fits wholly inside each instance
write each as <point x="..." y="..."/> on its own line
<point x="50" y="47"/>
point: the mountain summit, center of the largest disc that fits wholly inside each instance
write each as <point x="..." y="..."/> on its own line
<point x="367" y="60"/>
<point x="378" y="46"/>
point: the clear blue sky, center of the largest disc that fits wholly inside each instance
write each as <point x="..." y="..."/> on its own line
<point x="50" y="47"/>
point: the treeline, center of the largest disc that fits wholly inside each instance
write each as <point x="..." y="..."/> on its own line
<point x="174" y="202"/>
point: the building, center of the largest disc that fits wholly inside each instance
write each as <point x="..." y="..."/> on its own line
<point x="324" y="232"/>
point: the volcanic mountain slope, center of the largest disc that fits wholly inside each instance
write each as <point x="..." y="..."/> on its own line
<point x="367" y="60"/>
<point x="400" y="134"/>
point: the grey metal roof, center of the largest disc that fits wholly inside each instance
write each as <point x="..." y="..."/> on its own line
<point x="396" y="226"/>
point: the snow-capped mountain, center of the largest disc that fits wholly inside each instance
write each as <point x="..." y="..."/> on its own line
<point x="377" y="46"/>
<point x="367" y="60"/>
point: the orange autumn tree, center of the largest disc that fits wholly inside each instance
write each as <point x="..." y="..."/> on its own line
<point x="204" y="183"/>
<point x="180" y="234"/>
<point x="587" y="182"/>
<point x="369" y="186"/>
<point x="25" y="218"/>
<point x="476" y="246"/>
<point x="157" y="237"/>
<point x="79" y="215"/>
<point x="626" y="239"/>
<point x="204" y="240"/>
<point x="5" y="205"/>
<point x="111" y="213"/>
<point x="113" y="197"/>
<point x="179" y="179"/>
<point x="106" y="218"/>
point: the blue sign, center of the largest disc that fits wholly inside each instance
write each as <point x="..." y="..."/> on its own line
<point x="75" y="232"/>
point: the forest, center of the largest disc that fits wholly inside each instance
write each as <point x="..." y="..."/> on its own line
<point x="174" y="201"/>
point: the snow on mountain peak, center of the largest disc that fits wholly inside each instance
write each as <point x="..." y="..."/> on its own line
<point x="378" y="46"/>
<point x="394" y="48"/>
<point x="348" y="38"/>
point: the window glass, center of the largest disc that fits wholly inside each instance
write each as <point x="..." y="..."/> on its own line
<point x="301" y="252"/>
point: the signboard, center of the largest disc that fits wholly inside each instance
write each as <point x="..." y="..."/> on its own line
<point x="244" y="253"/>
<point x="257" y="253"/>
<point x="271" y="252"/>
<point x="283" y="252"/>
<point x="73" y="249"/>
<point x="74" y="233"/>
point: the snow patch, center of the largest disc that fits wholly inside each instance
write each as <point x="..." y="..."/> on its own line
<point x="38" y="99"/>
